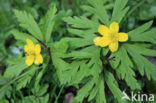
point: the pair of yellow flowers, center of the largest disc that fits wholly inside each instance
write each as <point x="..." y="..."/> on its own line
<point x="110" y="37"/>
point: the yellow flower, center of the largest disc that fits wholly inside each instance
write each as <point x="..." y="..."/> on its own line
<point x="33" y="53"/>
<point x="110" y="36"/>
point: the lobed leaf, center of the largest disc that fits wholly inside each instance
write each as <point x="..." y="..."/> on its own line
<point x="143" y="65"/>
<point x="48" y="22"/>
<point x="14" y="70"/>
<point x="119" y="10"/>
<point x="27" y="21"/>
<point x="22" y="36"/>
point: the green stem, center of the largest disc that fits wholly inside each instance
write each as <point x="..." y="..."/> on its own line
<point x="56" y="101"/>
<point x="53" y="91"/>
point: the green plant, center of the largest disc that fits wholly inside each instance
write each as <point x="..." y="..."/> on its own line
<point x="76" y="58"/>
<point x="25" y="76"/>
<point x="96" y="68"/>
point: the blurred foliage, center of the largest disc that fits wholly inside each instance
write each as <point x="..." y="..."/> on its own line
<point x="21" y="88"/>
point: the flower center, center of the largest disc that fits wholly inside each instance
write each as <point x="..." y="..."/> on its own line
<point x="113" y="37"/>
<point x="32" y="53"/>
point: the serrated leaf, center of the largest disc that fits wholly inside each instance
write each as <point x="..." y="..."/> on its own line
<point x="99" y="10"/>
<point x="15" y="69"/>
<point x="149" y="36"/>
<point x="140" y="29"/>
<point x="33" y="99"/>
<point x="109" y="78"/>
<point x="79" y="42"/>
<point x="26" y="77"/>
<point x="40" y="90"/>
<point x="81" y="22"/>
<point x="119" y="10"/>
<point x="27" y="21"/>
<point x="78" y="55"/>
<point x="101" y="92"/>
<point x="60" y="66"/>
<point x="59" y="47"/>
<point x="142" y="63"/>
<point x="125" y="69"/>
<point x="22" y="36"/>
<point x="47" y="23"/>
<point x="84" y="91"/>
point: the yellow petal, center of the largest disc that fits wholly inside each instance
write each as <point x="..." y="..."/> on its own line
<point x="29" y="60"/>
<point x="103" y="30"/>
<point x="113" y="46"/>
<point x="37" y="49"/>
<point x="104" y="41"/>
<point x="114" y="27"/>
<point x="29" y="42"/>
<point x="97" y="41"/>
<point x="123" y="37"/>
<point x="26" y="48"/>
<point x="30" y="47"/>
<point x="38" y="59"/>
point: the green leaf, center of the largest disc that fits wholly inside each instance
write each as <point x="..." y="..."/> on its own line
<point x="142" y="63"/>
<point x="84" y="91"/>
<point x="94" y="92"/>
<point x="140" y="29"/>
<point x="143" y="50"/>
<point x="99" y="10"/>
<point x="81" y="22"/>
<point x="123" y="66"/>
<point x="149" y="36"/>
<point x="119" y="10"/>
<point x="26" y="77"/>
<point x="41" y="73"/>
<point x="33" y="99"/>
<point x="4" y="101"/>
<point x="109" y="78"/>
<point x="47" y="23"/>
<point x="60" y="66"/>
<point x="79" y="42"/>
<point x="40" y="90"/>
<point x="125" y="69"/>
<point x="105" y="51"/>
<point x="114" y="60"/>
<point x="15" y="69"/>
<point x="101" y="93"/>
<point x="82" y="72"/>
<point x="27" y="22"/>
<point x="22" y="36"/>
<point x="78" y="54"/>
<point x="3" y="80"/>
<point x="59" y="47"/>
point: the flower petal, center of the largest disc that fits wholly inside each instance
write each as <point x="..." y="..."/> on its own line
<point x="37" y="49"/>
<point x="114" y="27"/>
<point x="103" y="30"/>
<point x="29" y="42"/>
<point x="104" y="41"/>
<point x="97" y="41"/>
<point x="29" y="60"/>
<point x="113" y="46"/>
<point x="38" y="59"/>
<point x="26" y="48"/>
<point x="30" y="47"/>
<point x="123" y="37"/>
